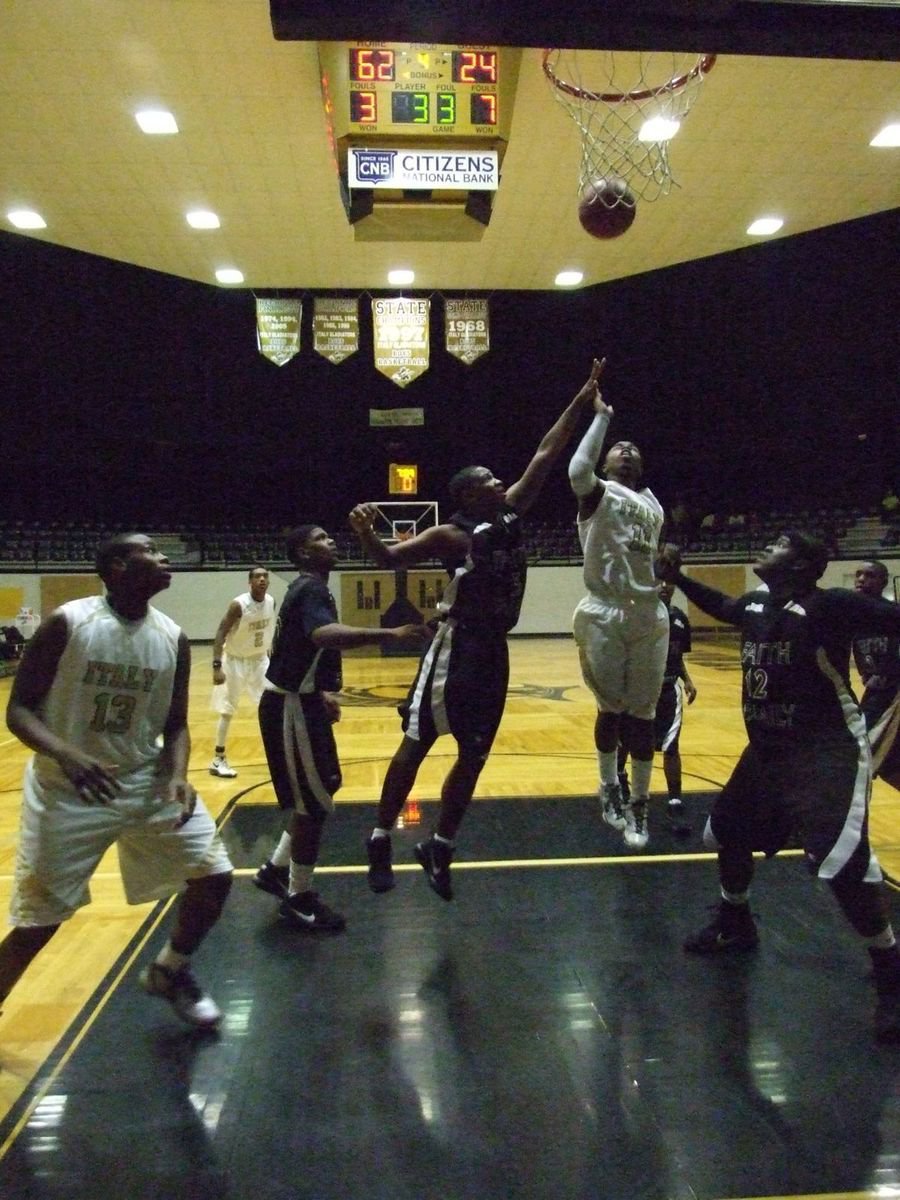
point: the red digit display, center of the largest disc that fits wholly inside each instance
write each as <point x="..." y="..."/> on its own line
<point x="364" y="108"/>
<point x="371" y="66"/>
<point x="474" y="66"/>
<point x="483" y="108"/>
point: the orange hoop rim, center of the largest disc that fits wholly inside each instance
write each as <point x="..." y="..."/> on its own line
<point x="701" y="67"/>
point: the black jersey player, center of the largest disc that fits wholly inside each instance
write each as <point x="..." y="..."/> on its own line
<point x="460" y="687"/>
<point x="806" y="771"/>
<point x="296" y="712"/>
<point x="877" y="657"/>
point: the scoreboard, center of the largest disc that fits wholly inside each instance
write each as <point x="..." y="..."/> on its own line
<point x="393" y="90"/>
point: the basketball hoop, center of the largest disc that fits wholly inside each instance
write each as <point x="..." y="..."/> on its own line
<point x="400" y="520"/>
<point x="634" y="104"/>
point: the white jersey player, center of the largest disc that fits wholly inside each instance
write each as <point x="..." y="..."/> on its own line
<point x="621" y="626"/>
<point x="101" y="698"/>
<point x="241" y="658"/>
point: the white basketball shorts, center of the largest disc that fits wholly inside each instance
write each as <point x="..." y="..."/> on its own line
<point x="623" y="648"/>
<point x="62" y="841"/>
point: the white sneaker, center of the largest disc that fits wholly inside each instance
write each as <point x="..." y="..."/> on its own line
<point x="220" y="767"/>
<point x="613" y="806"/>
<point x="636" y="834"/>
<point x="184" y="993"/>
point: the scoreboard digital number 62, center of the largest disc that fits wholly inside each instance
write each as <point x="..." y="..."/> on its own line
<point x="408" y="89"/>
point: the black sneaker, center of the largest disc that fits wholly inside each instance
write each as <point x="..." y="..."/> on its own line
<point x="886" y="971"/>
<point x="381" y="873"/>
<point x="676" y="814"/>
<point x="307" y="911"/>
<point x="613" y="806"/>
<point x="434" y="858"/>
<point x="184" y="993"/>
<point x="273" y="880"/>
<point x="732" y="929"/>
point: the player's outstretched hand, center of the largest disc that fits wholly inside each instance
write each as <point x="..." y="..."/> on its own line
<point x="362" y="518"/>
<point x="419" y="635"/>
<point x="668" y="562"/>
<point x="590" y="393"/>
<point x="592" y="388"/>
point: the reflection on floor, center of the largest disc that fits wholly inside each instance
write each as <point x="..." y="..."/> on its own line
<point x="541" y="1037"/>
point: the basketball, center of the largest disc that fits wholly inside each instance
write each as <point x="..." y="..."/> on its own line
<point x="607" y="207"/>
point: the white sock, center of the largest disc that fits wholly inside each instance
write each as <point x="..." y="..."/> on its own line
<point x="171" y="959"/>
<point x="281" y="855"/>
<point x="608" y="761"/>
<point x="735" y="897"/>
<point x="378" y="832"/>
<point x="444" y="841"/>
<point x="883" y="940"/>
<point x="222" y="733"/>
<point x="301" y="877"/>
<point x="641" y="769"/>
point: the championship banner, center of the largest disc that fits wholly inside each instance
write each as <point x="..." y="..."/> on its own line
<point x="467" y="329"/>
<point x="400" y="329"/>
<point x="278" y="329"/>
<point x="335" y="328"/>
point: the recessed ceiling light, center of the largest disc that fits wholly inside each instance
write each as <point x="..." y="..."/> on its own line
<point x="569" y="278"/>
<point x="25" y="218"/>
<point x="201" y="219"/>
<point x="401" y="276"/>
<point x="156" y="120"/>
<point x="889" y="136"/>
<point x="658" y="129"/>
<point x="764" y="226"/>
<point x="229" y="275"/>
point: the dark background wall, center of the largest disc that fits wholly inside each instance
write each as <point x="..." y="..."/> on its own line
<point x="761" y="379"/>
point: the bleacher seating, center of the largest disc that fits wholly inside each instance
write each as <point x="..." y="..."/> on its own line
<point x="52" y="545"/>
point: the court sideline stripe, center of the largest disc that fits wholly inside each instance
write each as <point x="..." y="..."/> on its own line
<point x="494" y="864"/>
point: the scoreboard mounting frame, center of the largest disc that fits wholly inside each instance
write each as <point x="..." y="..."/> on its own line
<point x="382" y="91"/>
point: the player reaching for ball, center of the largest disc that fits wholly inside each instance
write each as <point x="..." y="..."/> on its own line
<point x="621" y="625"/>
<point x="460" y="687"/>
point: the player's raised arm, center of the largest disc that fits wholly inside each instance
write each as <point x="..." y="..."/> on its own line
<point x="441" y="541"/>
<point x="582" y="468"/>
<point x="523" y="493"/>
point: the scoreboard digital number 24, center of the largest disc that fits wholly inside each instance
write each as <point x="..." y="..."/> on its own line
<point x="408" y="89"/>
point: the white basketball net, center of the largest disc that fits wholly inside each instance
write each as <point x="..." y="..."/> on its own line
<point x="626" y="103"/>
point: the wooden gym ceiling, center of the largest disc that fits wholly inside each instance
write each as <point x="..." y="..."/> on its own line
<point x="786" y="133"/>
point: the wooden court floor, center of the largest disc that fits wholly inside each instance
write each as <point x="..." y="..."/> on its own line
<point x="542" y="774"/>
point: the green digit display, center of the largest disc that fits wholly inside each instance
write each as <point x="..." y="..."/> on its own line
<point x="410" y="108"/>
<point x="446" y="108"/>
